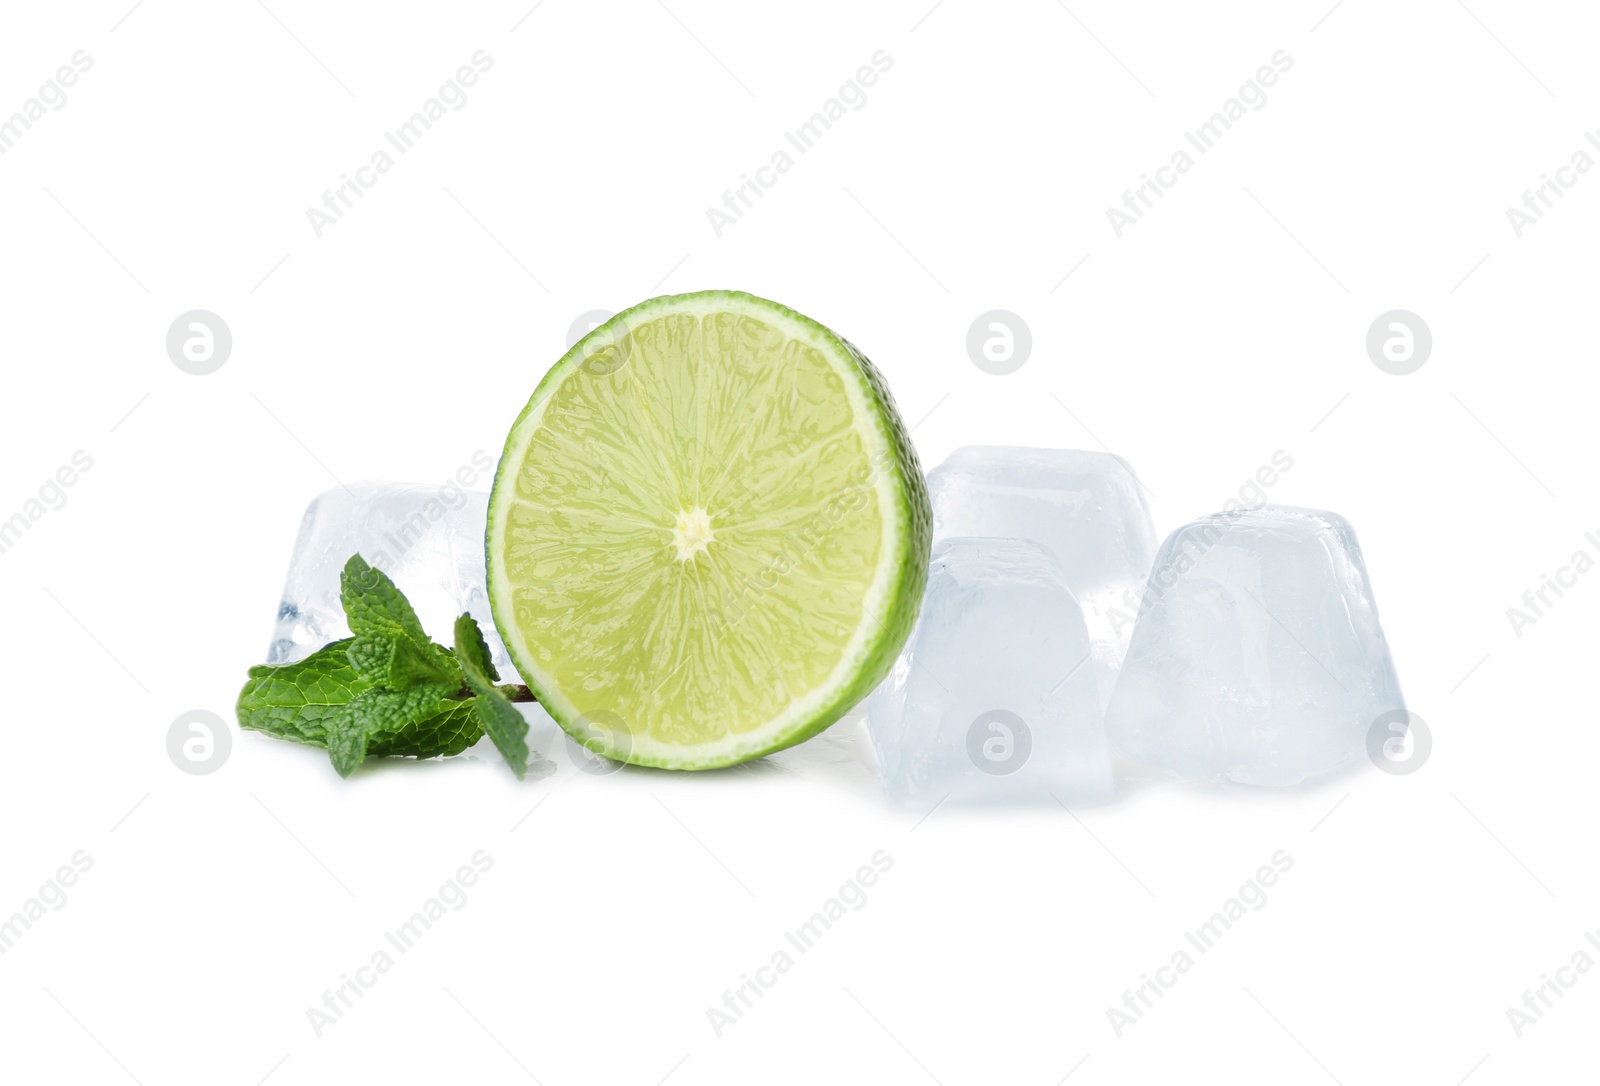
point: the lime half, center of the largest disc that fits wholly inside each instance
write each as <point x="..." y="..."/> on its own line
<point x="709" y="533"/>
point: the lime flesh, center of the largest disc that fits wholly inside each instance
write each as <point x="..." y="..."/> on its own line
<point x="708" y="534"/>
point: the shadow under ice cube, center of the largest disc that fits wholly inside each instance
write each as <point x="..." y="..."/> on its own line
<point x="994" y="698"/>
<point x="1257" y="657"/>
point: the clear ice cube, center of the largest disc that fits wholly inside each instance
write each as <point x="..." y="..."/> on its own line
<point x="1086" y="508"/>
<point x="1257" y="657"/>
<point x="429" y="539"/>
<point x="993" y="699"/>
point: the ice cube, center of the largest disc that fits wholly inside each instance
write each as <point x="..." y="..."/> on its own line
<point x="429" y="539"/>
<point x="1087" y="508"/>
<point x="993" y="699"/>
<point x="1257" y="657"/>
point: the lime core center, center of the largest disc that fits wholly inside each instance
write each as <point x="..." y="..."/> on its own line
<point x="692" y="535"/>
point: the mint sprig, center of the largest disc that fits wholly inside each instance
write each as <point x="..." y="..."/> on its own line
<point x="388" y="691"/>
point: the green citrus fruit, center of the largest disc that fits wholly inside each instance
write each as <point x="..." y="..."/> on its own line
<point x="709" y="533"/>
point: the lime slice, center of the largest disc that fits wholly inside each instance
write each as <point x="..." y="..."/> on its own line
<point x="708" y="535"/>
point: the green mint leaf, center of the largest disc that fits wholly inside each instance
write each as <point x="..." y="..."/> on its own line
<point x="472" y="652"/>
<point x="391" y="722"/>
<point x="371" y="656"/>
<point x="347" y="739"/>
<point x="399" y="664"/>
<point x="450" y="731"/>
<point x="390" y="648"/>
<point x="500" y="719"/>
<point x="373" y="605"/>
<point x="504" y="724"/>
<point x="295" y="701"/>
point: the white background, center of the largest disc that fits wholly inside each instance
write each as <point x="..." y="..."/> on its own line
<point x="1226" y="325"/>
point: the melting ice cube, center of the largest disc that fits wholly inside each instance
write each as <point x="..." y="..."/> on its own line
<point x="1086" y="508"/>
<point x="994" y="697"/>
<point x="1257" y="657"/>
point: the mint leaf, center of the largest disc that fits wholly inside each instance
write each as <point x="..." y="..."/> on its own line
<point x="500" y="719"/>
<point x="295" y="701"/>
<point x="504" y="724"/>
<point x="373" y="605"/>
<point x="399" y="664"/>
<point x="346" y="740"/>
<point x="388" y="713"/>
<point x="472" y="651"/>
<point x="389" y="722"/>
<point x="448" y="732"/>
<point x="390" y="648"/>
<point x="371" y="656"/>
